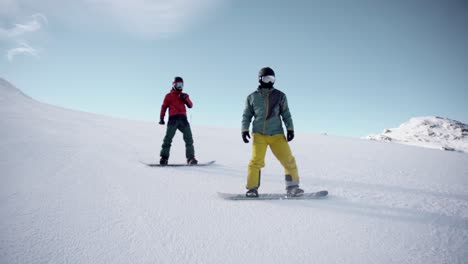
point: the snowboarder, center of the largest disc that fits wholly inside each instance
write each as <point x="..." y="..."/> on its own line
<point x="268" y="106"/>
<point x="176" y="101"/>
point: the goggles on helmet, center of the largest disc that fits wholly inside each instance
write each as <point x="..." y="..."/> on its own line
<point x="268" y="79"/>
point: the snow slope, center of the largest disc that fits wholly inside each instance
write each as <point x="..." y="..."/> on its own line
<point x="430" y="132"/>
<point x="73" y="191"/>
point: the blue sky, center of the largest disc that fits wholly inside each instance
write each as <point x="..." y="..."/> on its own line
<point x="349" y="68"/>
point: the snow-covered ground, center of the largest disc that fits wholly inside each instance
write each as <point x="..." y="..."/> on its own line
<point x="430" y="132"/>
<point x="73" y="191"/>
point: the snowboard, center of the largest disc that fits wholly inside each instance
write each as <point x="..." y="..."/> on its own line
<point x="274" y="196"/>
<point x="178" y="164"/>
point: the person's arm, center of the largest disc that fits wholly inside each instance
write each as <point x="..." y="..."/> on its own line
<point x="186" y="98"/>
<point x="247" y="115"/>
<point x="246" y="119"/>
<point x="286" y="114"/>
<point x="164" y="107"/>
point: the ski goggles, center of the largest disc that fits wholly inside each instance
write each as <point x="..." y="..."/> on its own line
<point x="268" y="79"/>
<point x="178" y="84"/>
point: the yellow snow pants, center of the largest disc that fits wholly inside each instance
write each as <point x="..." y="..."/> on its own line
<point x="280" y="148"/>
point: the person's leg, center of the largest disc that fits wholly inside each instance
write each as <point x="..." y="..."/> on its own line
<point x="259" y="147"/>
<point x="184" y="127"/>
<point x="167" y="141"/>
<point x="280" y="148"/>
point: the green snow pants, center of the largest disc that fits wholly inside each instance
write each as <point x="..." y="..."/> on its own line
<point x="172" y="126"/>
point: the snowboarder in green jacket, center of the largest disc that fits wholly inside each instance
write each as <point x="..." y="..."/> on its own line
<point x="269" y="109"/>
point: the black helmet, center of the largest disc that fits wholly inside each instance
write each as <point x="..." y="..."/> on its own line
<point x="176" y="83"/>
<point x="266" y="77"/>
<point x="265" y="72"/>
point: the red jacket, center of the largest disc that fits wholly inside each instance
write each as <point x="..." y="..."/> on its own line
<point x="175" y="104"/>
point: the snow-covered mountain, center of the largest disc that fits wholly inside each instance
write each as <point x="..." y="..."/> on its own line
<point x="430" y="132"/>
<point x="10" y="94"/>
<point x="72" y="190"/>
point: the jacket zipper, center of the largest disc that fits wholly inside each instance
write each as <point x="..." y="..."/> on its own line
<point x="267" y="103"/>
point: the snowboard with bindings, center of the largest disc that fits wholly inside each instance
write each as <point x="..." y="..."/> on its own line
<point x="275" y="196"/>
<point x="178" y="164"/>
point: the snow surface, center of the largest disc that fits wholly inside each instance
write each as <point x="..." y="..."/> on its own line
<point x="73" y="191"/>
<point x="430" y="132"/>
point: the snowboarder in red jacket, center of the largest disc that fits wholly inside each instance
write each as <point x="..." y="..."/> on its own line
<point x="176" y="101"/>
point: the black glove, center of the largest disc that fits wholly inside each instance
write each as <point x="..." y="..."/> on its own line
<point x="161" y="122"/>
<point x="183" y="96"/>
<point x="290" y="135"/>
<point x="245" y="135"/>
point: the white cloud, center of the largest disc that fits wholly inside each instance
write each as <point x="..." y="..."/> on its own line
<point x="34" y="24"/>
<point x="153" y="17"/>
<point x="137" y="17"/>
<point x="148" y="18"/>
<point x="23" y="48"/>
<point x="21" y="31"/>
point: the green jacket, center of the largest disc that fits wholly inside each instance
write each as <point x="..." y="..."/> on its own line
<point x="267" y="107"/>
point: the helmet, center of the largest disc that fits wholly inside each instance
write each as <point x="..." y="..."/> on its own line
<point x="266" y="77"/>
<point x="265" y="72"/>
<point x="178" y="83"/>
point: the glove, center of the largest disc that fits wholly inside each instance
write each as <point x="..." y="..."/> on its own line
<point x="183" y="96"/>
<point x="161" y="122"/>
<point x="290" y="135"/>
<point x="245" y="135"/>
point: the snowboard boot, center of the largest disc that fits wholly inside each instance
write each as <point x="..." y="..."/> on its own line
<point x="192" y="161"/>
<point x="294" y="191"/>
<point x="163" y="161"/>
<point x="252" y="193"/>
